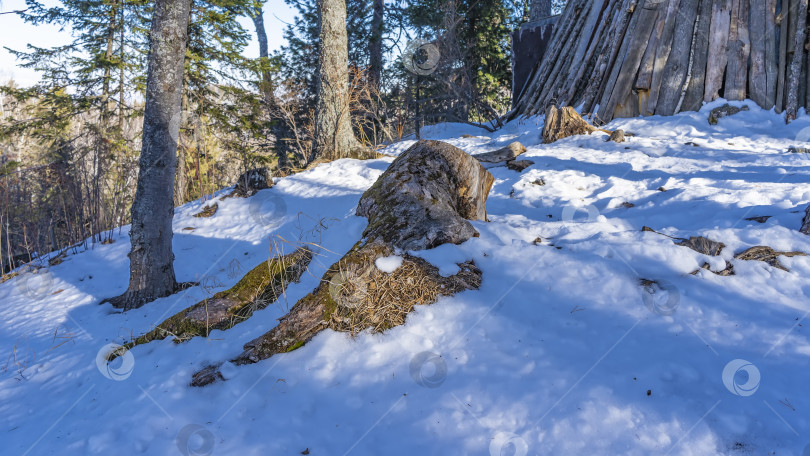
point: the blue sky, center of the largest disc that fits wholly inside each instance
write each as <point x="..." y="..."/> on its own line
<point x="16" y="34"/>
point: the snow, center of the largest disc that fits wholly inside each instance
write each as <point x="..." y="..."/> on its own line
<point x="388" y="264"/>
<point x="561" y="351"/>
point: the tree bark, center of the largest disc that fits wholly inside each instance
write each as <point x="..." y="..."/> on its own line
<point x="334" y="137"/>
<point x="279" y="128"/>
<point x="375" y="45"/>
<point x="151" y="258"/>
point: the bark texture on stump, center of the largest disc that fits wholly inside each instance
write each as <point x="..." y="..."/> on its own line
<point x="334" y="137"/>
<point x="151" y="258"/>
<point x="564" y="122"/>
<point x="425" y="198"/>
<point x="648" y="57"/>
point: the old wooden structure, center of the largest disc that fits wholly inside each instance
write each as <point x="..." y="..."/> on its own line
<point x="623" y="58"/>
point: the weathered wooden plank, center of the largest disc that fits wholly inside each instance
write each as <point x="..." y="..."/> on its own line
<point x="739" y="47"/>
<point x="771" y="52"/>
<point x="607" y="59"/>
<point x="694" y="93"/>
<point x="556" y="85"/>
<point x="758" y="75"/>
<point x="561" y="34"/>
<point x="806" y="85"/>
<point x="629" y="107"/>
<point x="615" y="66"/>
<point x="678" y="62"/>
<point x="792" y="18"/>
<point x="647" y="17"/>
<point x="662" y="54"/>
<point x="645" y="72"/>
<point x="580" y="82"/>
<point x="797" y="63"/>
<point x="783" y="46"/>
<point x="569" y="32"/>
<point x="718" y="48"/>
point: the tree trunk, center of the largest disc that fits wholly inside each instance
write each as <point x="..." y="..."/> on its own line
<point x="151" y="259"/>
<point x="334" y="137"/>
<point x="375" y="46"/>
<point x="279" y="130"/>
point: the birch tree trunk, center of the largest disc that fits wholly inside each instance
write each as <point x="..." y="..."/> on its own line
<point x="334" y="137"/>
<point x="151" y="258"/>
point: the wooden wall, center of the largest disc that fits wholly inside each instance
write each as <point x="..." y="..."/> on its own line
<point x="622" y="58"/>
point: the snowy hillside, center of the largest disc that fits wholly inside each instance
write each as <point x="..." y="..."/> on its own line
<point x="561" y="352"/>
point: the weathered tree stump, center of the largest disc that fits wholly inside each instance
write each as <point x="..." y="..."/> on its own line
<point x="250" y="182"/>
<point x="426" y="198"/>
<point x="423" y="200"/>
<point x="564" y="122"/>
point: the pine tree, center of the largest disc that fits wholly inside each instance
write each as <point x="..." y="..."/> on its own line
<point x="299" y="57"/>
<point x="472" y="78"/>
<point x="88" y="79"/>
<point x="151" y="258"/>
<point x="334" y="137"/>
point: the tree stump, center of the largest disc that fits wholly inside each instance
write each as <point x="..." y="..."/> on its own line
<point x="423" y="200"/>
<point x="564" y="122"/>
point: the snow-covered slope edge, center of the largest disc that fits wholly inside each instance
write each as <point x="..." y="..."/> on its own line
<point x="556" y="354"/>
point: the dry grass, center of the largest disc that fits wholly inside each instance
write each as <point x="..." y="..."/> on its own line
<point x="368" y="298"/>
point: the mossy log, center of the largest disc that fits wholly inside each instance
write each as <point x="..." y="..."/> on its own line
<point x="423" y="200"/>
<point x="256" y="290"/>
<point x="354" y="295"/>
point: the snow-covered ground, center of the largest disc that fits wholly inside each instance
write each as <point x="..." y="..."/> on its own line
<point x="561" y="351"/>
